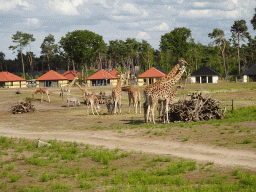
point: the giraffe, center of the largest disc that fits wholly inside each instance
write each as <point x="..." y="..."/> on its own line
<point x="170" y="98"/>
<point x="93" y="101"/>
<point x="67" y="87"/>
<point x="133" y="94"/>
<point x="85" y="91"/>
<point x="42" y="91"/>
<point x="161" y="91"/>
<point x="117" y="94"/>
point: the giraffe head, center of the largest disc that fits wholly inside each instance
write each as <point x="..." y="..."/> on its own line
<point x="182" y="62"/>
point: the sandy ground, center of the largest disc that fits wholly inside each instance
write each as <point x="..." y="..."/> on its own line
<point x="130" y="140"/>
<point x="220" y="156"/>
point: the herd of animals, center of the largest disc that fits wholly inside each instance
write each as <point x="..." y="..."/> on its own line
<point x="158" y="92"/>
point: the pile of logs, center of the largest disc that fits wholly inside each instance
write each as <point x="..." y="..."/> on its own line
<point x="198" y="108"/>
<point x="103" y="97"/>
<point x="23" y="107"/>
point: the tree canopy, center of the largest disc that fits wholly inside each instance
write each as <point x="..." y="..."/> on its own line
<point x="81" y="45"/>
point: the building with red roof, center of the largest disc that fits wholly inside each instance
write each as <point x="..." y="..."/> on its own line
<point x="9" y="80"/>
<point x="114" y="72"/>
<point x="150" y="76"/>
<point x="70" y="74"/>
<point x="101" y="78"/>
<point x="51" y="79"/>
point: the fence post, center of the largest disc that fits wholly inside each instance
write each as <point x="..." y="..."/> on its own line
<point x="232" y="104"/>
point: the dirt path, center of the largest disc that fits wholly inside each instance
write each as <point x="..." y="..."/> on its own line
<point x="110" y="139"/>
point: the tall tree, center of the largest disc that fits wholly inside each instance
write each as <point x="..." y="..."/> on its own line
<point x="22" y="40"/>
<point x="2" y="56"/>
<point x="239" y="30"/>
<point x="48" y="48"/>
<point x="176" y="41"/>
<point x="253" y="21"/>
<point x="218" y="34"/>
<point x="81" y="45"/>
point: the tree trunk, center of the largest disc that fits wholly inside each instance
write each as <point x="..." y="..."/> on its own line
<point x="23" y="67"/>
<point x="74" y="67"/>
<point x="48" y="60"/>
<point x="238" y="55"/>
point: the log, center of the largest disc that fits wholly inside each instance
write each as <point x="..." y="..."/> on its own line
<point x="23" y="107"/>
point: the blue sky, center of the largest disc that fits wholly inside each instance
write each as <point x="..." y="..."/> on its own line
<point x="116" y="19"/>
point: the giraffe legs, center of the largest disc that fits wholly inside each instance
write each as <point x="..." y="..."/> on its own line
<point x="49" y="98"/>
<point x="166" y="110"/>
<point x="115" y="107"/>
<point x="120" y="106"/>
<point x="42" y="97"/>
<point x="129" y="104"/>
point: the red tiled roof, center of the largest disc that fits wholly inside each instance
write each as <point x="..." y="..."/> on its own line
<point x="51" y="75"/>
<point x="7" y="76"/>
<point x="71" y="74"/>
<point x="102" y="74"/>
<point x="113" y="72"/>
<point x="152" y="72"/>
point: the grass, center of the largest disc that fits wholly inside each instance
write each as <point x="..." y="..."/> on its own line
<point x="89" y="168"/>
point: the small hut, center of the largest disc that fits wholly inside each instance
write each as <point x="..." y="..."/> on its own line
<point x="51" y="79"/>
<point x="9" y="80"/>
<point x="101" y="78"/>
<point x="204" y="74"/>
<point x="150" y="76"/>
<point x="249" y="73"/>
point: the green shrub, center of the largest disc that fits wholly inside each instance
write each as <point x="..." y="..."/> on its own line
<point x="14" y="178"/>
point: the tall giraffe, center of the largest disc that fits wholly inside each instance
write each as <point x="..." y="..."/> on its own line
<point x="133" y="94"/>
<point x="67" y="87"/>
<point x="42" y="91"/>
<point x="170" y="98"/>
<point x="85" y="91"/>
<point x="161" y="91"/>
<point x="117" y="94"/>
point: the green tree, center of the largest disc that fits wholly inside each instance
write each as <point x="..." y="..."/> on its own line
<point x="81" y="45"/>
<point x="218" y="34"/>
<point x="253" y="21"/>
<point x="147" y="55"/>
<point x="176" y="41"/>
<point x="239" y="30"/>
<point x="2" y="56"/>
<point x="22" y="40"/>
<point x="48" y="48"/>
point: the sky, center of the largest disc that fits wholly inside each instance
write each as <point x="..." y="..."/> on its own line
<point x="117" y="19"/>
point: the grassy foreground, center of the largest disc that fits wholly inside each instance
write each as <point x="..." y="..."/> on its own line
<point x="69" y="166"/>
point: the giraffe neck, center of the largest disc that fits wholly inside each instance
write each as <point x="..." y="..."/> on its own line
<point x="70" y="84"/>
<point x="120" y="82"/>
<point x="80" y="87"/>
<point x="172" y="73"/>
<point x="172" y="82"/>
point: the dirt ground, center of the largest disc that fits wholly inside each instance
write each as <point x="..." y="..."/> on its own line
<point x="55" y="121"/>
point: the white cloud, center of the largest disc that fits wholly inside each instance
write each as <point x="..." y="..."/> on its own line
<point x="128" y="8"/>
<point x="32" y="21"/>
<point x="162" y="27"/>
<point x="143" y="35"/>
<point x="64" y="7"/>
<point x="77" y="2"/>
<point x="200" y="4"/>
<point x="7" y="5"/>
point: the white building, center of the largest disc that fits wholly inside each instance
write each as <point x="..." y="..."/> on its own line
<point x="204" y="74"/>
<point x="250" y="73"/>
